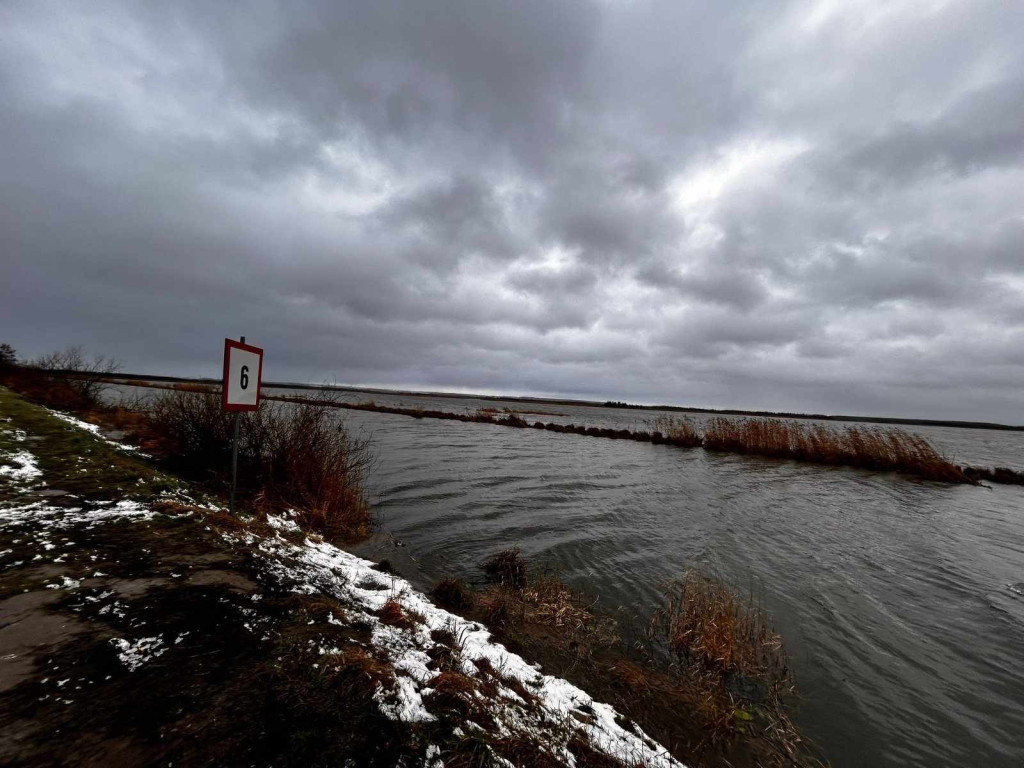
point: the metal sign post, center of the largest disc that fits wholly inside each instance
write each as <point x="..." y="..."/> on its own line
<point x="243" y="377"/>
<point x="234" y="467"/>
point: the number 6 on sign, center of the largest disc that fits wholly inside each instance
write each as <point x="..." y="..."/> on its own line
<point x="243" y="372"/>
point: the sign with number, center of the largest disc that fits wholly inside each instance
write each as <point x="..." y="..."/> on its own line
<point x="243" y="371"/>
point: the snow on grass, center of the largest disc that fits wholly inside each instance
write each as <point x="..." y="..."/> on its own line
<point x="134" y="654"/>
<point x="66" y="583"/>
<point x="20" y="466"/>
<point x="41" y="514"/>
<point x="320" y="567"/>
<point x="95" y="430"/>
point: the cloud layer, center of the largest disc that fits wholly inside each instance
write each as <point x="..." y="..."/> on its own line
<point x="785" y="205"/>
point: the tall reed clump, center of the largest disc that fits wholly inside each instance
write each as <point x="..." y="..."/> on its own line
<point x="294" y="456"/>
<point x="679" y="431"/>
<point x="708" y="624"/>
<point x="724" y="647"/>
<point x="880" y="449"/>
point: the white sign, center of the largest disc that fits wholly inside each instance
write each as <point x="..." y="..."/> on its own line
<point x="243" y="370"/>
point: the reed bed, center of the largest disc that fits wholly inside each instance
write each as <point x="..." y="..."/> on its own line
<point x="882" y="449"/>
<point x="891" y="449"/>
<point x="886" y="449"/>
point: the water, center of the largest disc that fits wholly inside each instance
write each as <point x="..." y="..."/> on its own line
<point x="900" y="601"/>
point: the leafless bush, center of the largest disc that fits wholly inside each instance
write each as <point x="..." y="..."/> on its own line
<point x="294" y="456"/>
<point x="85" y="378"/>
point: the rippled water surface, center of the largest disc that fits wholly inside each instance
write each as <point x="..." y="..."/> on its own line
<point x="901" y="602"/>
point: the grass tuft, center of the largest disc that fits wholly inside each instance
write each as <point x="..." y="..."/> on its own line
<point x="507" y="568"/>
<point x="452" y="595"/>
<point x="393" y="615"/>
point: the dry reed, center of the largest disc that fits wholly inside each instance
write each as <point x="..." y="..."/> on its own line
<point x="872" y="448"/>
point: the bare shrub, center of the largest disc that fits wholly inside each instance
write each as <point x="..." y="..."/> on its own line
<point x="66" y="380"/>
<point x="311" y="464"/>
<point x="294" y="456"/>
<point x="86" y="378"/>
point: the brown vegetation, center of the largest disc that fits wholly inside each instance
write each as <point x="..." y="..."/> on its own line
<point x="293" y="457"/>
<point x="729" y="658"/>
<point x="393" y="615"/>
<point x="507" y="568"/>
<point x="679" y="431"/>
<point x="66" y="379"/>
<point x="881" y="449"/>
<point x="452" y="595"/>
<point x="708" y="678"/>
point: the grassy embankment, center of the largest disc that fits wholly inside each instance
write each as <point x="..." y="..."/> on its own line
<point x="216" y="693"/>
<point x="139" y="634"/>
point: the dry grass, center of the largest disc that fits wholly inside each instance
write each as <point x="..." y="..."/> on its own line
<point x="679" y="431"/>
<point x="551" y="602"/>
<point x="729" y="658"/>
<point x="883" y="449"/>
<point x="706" y="623"/>
<point x="708" y="677"/>
<point x="517" y="600"/>
<point x="452" y="595"/>
<point x="507" y="568"/>
<point x="392" y="614"/>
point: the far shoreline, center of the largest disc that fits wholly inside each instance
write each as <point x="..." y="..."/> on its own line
<point x="953" y="424"/>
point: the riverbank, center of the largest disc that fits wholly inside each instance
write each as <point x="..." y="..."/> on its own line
<point x="254" y="641"/>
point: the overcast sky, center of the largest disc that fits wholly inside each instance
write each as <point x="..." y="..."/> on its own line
<point x="813" y="205"/>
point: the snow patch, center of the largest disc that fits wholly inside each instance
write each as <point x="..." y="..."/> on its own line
<point x="95" y="430"/>
<point x="25" y="468"/>
<point x="40" y="513"/>
<point x="66" y="583"/>
<point x="320" y="567"/>
<point x="134" y="655"/>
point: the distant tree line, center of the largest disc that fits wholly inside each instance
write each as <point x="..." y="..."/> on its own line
<point x="82" y="378"/>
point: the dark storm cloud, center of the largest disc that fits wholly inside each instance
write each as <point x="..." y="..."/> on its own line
<point x="791" y="205"/>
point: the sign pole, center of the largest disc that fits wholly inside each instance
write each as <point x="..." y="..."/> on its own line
<point x="243" y="377"/>
<point x="234" y="460"/>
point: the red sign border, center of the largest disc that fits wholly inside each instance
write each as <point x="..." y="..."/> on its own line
<point x="232" y="344"/>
